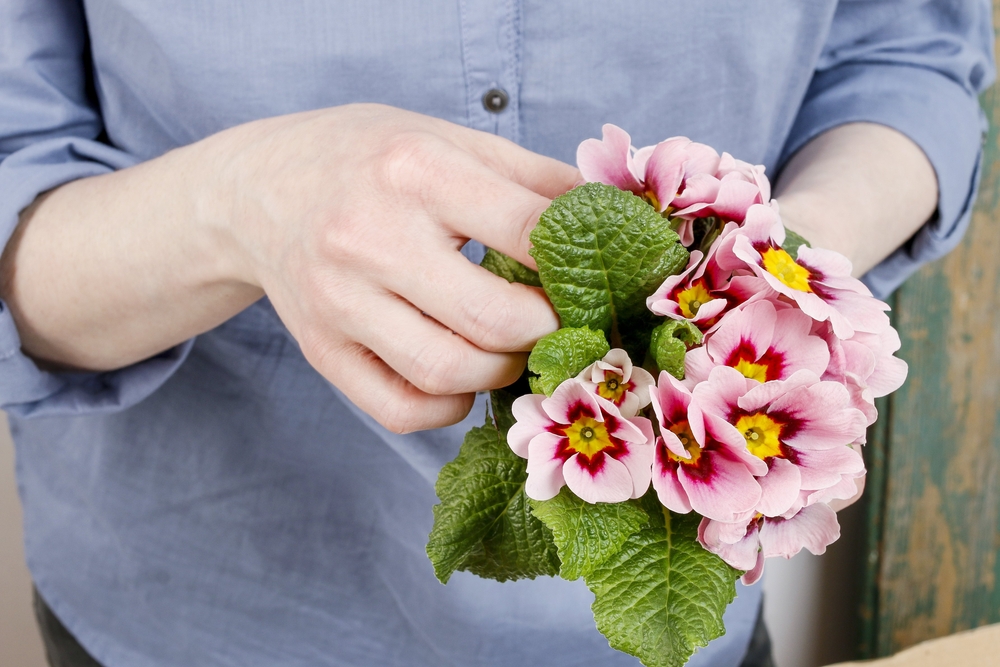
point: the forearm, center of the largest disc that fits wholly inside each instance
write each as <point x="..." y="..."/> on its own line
<point x="860" y="189"/>
<point x="106" y="271"/>
<point x="351" y="220"/>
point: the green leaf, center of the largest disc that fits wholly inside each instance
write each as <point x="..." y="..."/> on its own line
<point x="587" y="534"/>
<point x="793" y="242"/>
<point x="670" y="342"/>
<point x="483" y="523"/>
<point x="501" y="401"/>
<point x="662" y="596"/>
<point x="562" y="355"/>
<point x="509" y="268"/>
<point x="600" y="253"/>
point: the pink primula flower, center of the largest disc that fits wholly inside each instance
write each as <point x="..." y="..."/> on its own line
<point x="615" y="379"/>
<point x="819" y="281"/>
<point x="800" y="428"/>
<point x="745" y="545"/>
<point x="865" y="364"/>
<point x="845" y="489"/>
<point x="659" y="173"/>
<point x="696" y="294"/>
<point x="578" y="439"/>
<point x="704" y="291"/>
<point x="728" y="194"/>
<point x="764" y="341"/>
<point x="694" y="468"/>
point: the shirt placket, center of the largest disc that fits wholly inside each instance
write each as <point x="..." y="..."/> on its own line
<point x="491" y="51"/>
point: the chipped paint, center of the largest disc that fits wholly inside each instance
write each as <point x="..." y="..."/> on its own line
<point x="939" y="527"/>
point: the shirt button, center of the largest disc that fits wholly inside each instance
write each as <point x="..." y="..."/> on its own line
<point x="495" y="100"/>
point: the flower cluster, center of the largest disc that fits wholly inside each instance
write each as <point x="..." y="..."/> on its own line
<point x="765" y="426"/>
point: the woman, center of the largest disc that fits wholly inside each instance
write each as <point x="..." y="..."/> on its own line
<point x="230" y="287"/>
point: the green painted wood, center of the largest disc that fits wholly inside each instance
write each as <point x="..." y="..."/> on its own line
<point x="873" y="501"/>
<point x="934" y="511"/>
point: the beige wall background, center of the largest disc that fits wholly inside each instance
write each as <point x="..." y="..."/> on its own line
<point x="20" y="645"/>
<point x="809" y="602"/>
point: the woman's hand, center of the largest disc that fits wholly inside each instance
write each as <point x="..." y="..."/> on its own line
<point x="350" y="219"/>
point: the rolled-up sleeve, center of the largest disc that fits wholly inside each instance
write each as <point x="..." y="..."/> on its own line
<point x="917" y="67"/>
<point x="49" y="135"/>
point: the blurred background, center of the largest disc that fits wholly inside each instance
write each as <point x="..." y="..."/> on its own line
<point x="20" y="645"/>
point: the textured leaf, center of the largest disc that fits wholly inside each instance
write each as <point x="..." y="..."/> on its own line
<point x="483" y="523"/>
<point x="509" y="268"/>
<point x="562" y="355"/>
<point x="662" y="595"/>
<point x="501" y="401"/>
<point x="587" y="534"/>
<point x="793" y="242"/>
<point x="600" y="253"/>
<point x="670" y="342"/>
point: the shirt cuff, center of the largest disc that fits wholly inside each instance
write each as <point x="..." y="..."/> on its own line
<point x="25" y="389"/>
<point x="936" y="113"/>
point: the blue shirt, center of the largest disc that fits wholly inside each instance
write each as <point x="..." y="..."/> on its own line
<point x="221" y="504"/>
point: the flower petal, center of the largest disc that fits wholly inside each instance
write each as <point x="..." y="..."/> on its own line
<point x="609" y="160"/>
<point x="751" y="327"/>
<point x="814" y="528"/>
<point x="888" y="376"/>
<point x="664" y="170"/>
<point x="639" y="461"/>
<point x="735" y="198"/>
<point x="752" y="576"/>
<point x="545" y="476"/>
<point x="779" y="488"/>
<point x="641" y="380"/>
<point x="742" y="555"/>
<point x="670" y="400"/>
<point x="720" y="395"/>
<point x="609" y="482"/>
<point x="793" y="340"/>
<point x="699" y="190"/>
<point x="721" y="488"/>
<point x="823" y="468"/>
<point x="668" y="488"/>
<point x="530" y="421"/>
<point x="697" y="366"/>
<point x="571" y="395"/>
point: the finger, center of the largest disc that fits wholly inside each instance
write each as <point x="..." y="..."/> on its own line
<point x="483" y="308"/>
<point x="470" y="200"/>
<point x="540" y="174"/>
<point x="382" y="393"/>
<point x="429" y="356"/>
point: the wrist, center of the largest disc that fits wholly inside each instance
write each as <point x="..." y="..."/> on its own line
<point x="212" y="183"/>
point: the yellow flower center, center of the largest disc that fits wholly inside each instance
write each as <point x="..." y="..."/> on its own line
<point x="762" y="435"/>
<point x="690" y="445"/>
<point x="612" y="388"/>
<point x="588" y="436"/>
<point x="780" y="264"/>
<point x="752" y="370"/>
<point x="693" y="298"/>
<point x="652" y="199"/>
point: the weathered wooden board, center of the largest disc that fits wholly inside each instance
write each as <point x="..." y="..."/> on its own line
<point x="934" y="502"/>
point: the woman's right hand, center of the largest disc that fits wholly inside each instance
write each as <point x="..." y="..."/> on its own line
<point x="350" y="219"/>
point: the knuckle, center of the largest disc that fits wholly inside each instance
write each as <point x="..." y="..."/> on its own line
<point x="348" y="238"/>
<point x="320" y="350"/>
<point x="408" y="162"/>
<point x="492" y="321"/>
<point x="401" y="413"/>
<point x="435" y="368"/>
